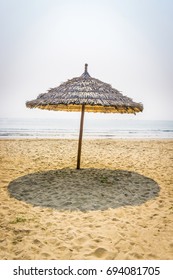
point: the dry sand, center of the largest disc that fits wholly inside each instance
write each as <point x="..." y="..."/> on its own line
<point x="119" y="206"/>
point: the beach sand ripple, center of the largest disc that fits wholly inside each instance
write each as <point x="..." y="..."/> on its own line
<point x="118" y="206"/>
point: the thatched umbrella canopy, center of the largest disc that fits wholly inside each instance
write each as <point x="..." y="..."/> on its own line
<point x="88" y="94"/>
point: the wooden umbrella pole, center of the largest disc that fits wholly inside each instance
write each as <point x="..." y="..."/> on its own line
<point x="80" y="137"/>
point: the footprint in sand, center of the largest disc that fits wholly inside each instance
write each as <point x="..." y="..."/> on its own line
<point x="102" y="254"/>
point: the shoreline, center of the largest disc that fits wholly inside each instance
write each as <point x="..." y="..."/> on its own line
<point x="118" y="206"/>
<point x="87" y="138"/>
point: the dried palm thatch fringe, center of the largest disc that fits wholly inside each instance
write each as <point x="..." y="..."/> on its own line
<point x="85" y="90"/>
<point x="85" y="94"/>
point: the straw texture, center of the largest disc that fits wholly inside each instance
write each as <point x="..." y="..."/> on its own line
<point x="85" y="90"/>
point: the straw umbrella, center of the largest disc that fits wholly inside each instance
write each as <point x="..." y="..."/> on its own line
<point x="88" y="94"/>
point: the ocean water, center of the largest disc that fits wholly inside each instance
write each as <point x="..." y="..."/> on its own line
<point x="93" y="128"/>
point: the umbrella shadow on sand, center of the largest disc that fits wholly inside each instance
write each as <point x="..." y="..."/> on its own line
<point x="84" y="190"/>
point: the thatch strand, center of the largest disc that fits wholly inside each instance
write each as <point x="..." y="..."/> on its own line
<point x="85" y="90"/>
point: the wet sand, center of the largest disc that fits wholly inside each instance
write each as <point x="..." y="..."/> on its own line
<point x="118" y="206"/>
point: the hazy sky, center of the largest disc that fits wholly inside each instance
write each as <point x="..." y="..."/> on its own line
<point x="127" y="43"/>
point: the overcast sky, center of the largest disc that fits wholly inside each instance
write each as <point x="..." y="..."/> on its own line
<point x="127" y="43"/>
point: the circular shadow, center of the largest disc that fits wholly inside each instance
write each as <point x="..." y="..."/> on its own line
<point x="84" y="190"/>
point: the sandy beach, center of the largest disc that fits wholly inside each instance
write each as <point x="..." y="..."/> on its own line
<point x="118" y="206"/>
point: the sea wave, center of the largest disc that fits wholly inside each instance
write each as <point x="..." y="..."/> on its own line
<point x="27" y="128"/>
